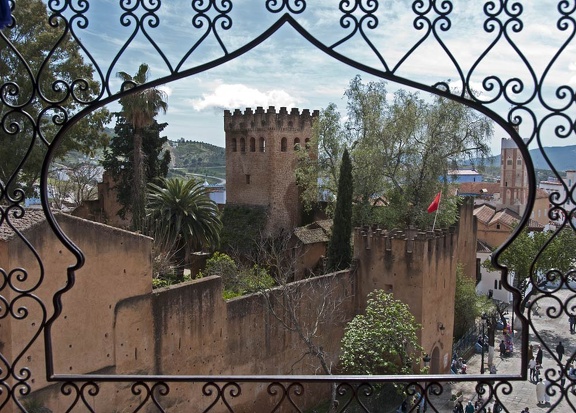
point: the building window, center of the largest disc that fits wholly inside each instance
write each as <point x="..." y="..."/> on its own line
<point x="518" y="162"/>
<point x="283" y="145"/>
<point x="509" y="162"/>
<point x="296" y="144"/>
<point x="233" y="144"/>
<point x="247" y="179"/>
<point x="497" y="226"/>
<point x="252" y="145"/>
<point x="242" y="145"/>
<point x="262" y="145"/>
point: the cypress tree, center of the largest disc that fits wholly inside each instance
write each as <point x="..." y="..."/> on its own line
<point x="339" y="248"/>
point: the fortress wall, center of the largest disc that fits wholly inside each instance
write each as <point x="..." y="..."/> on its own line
<point x="419" y="268"/>
<point x="196" y="332"/>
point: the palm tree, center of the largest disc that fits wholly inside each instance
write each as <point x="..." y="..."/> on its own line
<point x="139" y="110"/>
<point x="182" y="217"/>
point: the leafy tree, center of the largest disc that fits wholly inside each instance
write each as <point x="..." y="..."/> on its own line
<point x="532" y="254"/>
<point x="139" y="110"/>
<point x="120" y="165"/>
<point x="237" y="281"/>
<point x="182" y="216"/>
<point x="468" y="306"/>
<point x="339" y="248"/>
<point x="66" y="85"/>
<point x="317" y="174"/>
<point x="383" y="341"/>
<point x="401" y="150"/>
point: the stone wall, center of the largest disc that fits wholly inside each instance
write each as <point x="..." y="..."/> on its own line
<point x="419" y="268"/>
<point x="261" y="160"/>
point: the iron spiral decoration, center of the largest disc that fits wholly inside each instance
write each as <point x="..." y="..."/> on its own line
<point x="40" y="110"/>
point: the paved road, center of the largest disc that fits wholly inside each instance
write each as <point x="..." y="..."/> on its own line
<point x="551" y="330"/>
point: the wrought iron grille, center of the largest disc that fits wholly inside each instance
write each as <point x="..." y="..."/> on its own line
<point x="37" y="110"/>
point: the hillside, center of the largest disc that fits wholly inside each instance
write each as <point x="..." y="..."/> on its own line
<point x="200" y="158"/>
<point x="562" y="157"/>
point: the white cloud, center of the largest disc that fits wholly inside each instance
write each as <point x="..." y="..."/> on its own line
<point x="232" y="96"/>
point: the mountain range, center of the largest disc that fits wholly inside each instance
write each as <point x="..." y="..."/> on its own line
<point x="562" y="157"/>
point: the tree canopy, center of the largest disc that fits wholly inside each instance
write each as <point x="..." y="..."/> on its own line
<point x="402" y="151"/>
<point x="382" y="341"/>
<point x="535" y="256"/>
<point x="339" y="248"/>
<point x="118" y="162"/>
<point x="139" y="111"/>
<point x="66" y="85"/>
<point x="182" y="215"/>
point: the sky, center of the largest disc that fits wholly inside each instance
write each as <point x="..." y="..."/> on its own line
<point x="286" y="70"/>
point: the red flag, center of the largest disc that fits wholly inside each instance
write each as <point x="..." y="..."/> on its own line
<point x="434" y="205"/>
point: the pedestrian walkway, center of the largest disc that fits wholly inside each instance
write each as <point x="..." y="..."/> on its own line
<point x="522" y="393"/>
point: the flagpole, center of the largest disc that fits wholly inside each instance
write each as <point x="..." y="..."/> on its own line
<point x="436" y="214"/>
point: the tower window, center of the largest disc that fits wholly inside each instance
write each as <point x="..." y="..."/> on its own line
<point x="247" y="179"/>
<point x="296" y="144"/>
<point x="233" y="144"/>
<point x="262" y="145"/>
<point x="252" y="145"/>
<point x="242" y="145"/>
<point x="283" y="145"/>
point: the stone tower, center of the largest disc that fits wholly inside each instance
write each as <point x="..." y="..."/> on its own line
<point x="261" y="159"/>
<point x="513" y="177"/>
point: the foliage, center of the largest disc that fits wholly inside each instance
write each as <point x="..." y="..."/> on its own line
<point x="242" y="226"/>
<point x="34" y="38"/>
<point x="237" y="281"/>
<point x="317" y="174"/>
<point x="339" y="248"/>
<point x="467" y="304"/>
<point x="383" y="341"/>
<point x="182" y="217"/>
<point x="524" y="259"/>
<point x="195" y="156"/>
<point x="139" y="111"/>
<point x="401" y="150"/>
<point x="118" y="162"/>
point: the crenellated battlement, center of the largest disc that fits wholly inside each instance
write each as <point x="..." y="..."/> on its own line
<point x="269" y="119"/>
<point x="367" y="238"/>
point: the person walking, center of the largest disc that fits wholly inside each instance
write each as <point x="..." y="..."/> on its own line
<point x="560" y="351"/>
<point x="469" y="407"/>
<point x="530" y="352"/>
<point x="459" y="408"/>
<point x="539" y="355"/>
<point x="572" y="322"/>
<point x="532" y="368"/>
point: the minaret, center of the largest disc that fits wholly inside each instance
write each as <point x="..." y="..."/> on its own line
<point x="513" y="177"/>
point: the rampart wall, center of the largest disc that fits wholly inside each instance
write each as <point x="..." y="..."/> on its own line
<point x="114" y="323"/>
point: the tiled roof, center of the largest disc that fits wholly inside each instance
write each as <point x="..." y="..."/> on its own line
<point x="479" y="188"/>
<point x="489" y="216"/>
<point x="315" y="232"/>
<point x="484" y="213"/>
<point x="541" y="193"/>
<point x="29" y="219"/>
<point x="482" y="246"/>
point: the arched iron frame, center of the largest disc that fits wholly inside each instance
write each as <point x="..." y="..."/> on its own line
<point x="502" y="18"/>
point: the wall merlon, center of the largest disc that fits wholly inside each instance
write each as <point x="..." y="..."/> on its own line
<point x="258" y="119"/>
